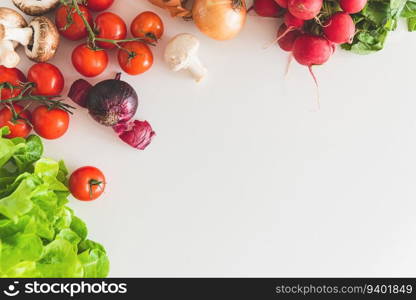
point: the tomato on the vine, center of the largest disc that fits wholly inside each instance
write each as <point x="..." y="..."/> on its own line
<point x="13" y="76"/>
<point x="135" y="57"/>
<point x="70" y="24"/>
<point x="109" y="26"/>
<point x="89" y="62"/>
<point x="87" y="183"/>
<point x="99" y="5"/>
<point x="50" y="123"/>
<point x="47" y="78"/>
<point x="18" y="124"/>
<point x="148" y="26"/>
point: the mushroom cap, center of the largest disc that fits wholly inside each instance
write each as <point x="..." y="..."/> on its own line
<point x="36" y="7"/>
<point x="180" y="51"/>
<point x="45" y="40"/>
<point x="11" y="18"/>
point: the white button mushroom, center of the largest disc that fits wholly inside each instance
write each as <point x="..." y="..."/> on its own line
<point x="13" y="30"/>
<point x="40" y="37"/>
<point x="182" y="53"/>
<point x="45" y="40"/>
<point x="36" y="7"/>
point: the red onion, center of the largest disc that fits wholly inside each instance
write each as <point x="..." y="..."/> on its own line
<point x="114" y="103"/>
<point x="78" y="92"/>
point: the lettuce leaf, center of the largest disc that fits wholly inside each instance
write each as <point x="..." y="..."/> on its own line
<point x="409" y="12"/>
<point x="39" y="235"/>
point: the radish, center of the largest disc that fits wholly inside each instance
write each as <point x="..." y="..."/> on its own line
<point x="287" y="39"/>
<point x="266" y="8"/>
<point x="282" y="3"/>
<point x="292" y="23"/>
<point x="340" y="28"/>
<point x="352" y="6"/>
<point x="310" y="50"/>
<point x="305" y="9"/>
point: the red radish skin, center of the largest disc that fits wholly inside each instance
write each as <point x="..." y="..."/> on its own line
<point x="305" y="9"/>
<point x="310" y="50"/>
<point x="266" y="8"/>
<point x="352" y="6"/>
<point x="286" y="39"/>
<point x="291" y="21"/>
<point x="340" y="28"/>
<point x="281" y="3"/>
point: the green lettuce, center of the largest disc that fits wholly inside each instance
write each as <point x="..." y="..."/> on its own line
<point x="39" y="235"/>
<point x="409" y="12"/>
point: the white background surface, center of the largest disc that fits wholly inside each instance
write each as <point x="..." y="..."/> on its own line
<point x="243" y="179"/>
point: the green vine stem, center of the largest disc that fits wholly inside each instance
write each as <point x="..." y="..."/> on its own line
<point x="92" y="37"/>
<point x="25" y="94"/>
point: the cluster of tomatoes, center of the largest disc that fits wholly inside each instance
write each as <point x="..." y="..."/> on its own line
<point x="48" y="122"/>
<point x="108" y="31"/>
<point x="86" y="183"/>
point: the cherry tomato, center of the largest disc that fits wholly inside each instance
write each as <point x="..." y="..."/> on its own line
<point x="87" y="183"/>
<point x="147" y="25"/>
<point x="19" y="127"/>
<point x="14" y="77"/>
<point x="70" y="24"/>
<point x="89" y="62"/>
<point x="109" y="26"/>
<point x="50" y="123"/>
<point x="135" y="57"/>
<point x="48" y="80"/>
<point x="99" y="5"/>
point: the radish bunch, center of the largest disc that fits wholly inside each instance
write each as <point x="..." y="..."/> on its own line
<point x="312" y="28"/>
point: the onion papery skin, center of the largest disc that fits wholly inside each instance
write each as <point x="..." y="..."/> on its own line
<point x="112" y="101"/>
<point x="219" y="19"/>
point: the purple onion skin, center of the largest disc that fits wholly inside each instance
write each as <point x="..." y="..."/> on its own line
<point x="111" y="102"/>
<point x="138" y="134"/>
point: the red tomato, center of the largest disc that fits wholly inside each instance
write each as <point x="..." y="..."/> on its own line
<point x="147" y="25"/>
<point x="70" y="24"/>
<point x="99" y="5"/>
<point x="110" y="26"/>
<point x="135" y="57"/>
<point x="14" y="77"/>
<point x="19" y="127"/>
<point x="89" y="62"/>
<point x="50" y="123"/>
<point x="87" y="183"/>
<point x="48" y="80"/>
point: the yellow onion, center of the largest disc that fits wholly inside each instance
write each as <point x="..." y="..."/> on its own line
<point x="219" y="19"/>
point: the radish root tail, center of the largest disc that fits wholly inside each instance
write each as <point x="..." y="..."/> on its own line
<point x="289" y="62"/>
<point x="289" y="29"/>
<point x="317" y="87"/>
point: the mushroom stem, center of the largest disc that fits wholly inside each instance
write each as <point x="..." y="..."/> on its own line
<point x="196" y="68"/>
<point x="21" y="35"/>
<point x="8" y="57"/>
